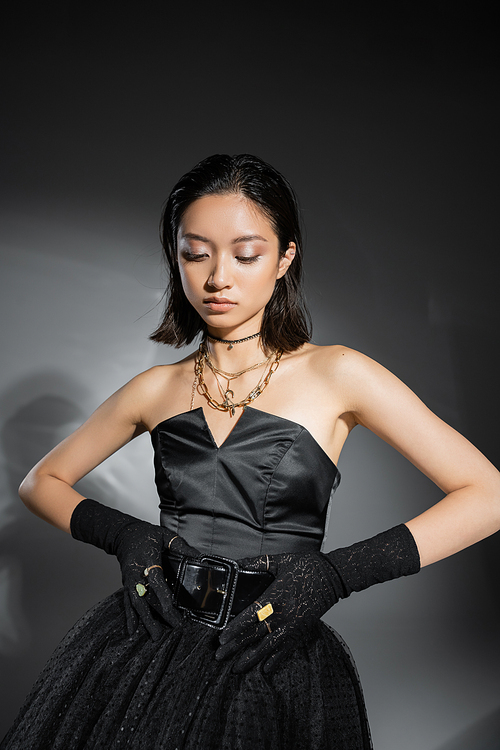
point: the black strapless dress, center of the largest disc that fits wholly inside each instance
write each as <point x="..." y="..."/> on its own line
<point x="266" y="489"/>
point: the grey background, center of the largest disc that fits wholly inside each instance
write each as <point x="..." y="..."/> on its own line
<point x="385" y="119"/>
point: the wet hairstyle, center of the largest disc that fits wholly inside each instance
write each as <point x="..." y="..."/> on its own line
<point x="286" y="323"/>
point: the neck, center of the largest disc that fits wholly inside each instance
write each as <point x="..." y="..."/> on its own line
<point x="230" y="343"/>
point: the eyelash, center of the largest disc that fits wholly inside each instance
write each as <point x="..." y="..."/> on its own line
<point x="245" y="259"/>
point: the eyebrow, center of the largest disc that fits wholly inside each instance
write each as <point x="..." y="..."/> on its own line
<point x="244" y="238"/>
<point x="249" y="238"/>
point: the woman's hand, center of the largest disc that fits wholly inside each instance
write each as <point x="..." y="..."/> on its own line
<point x="142" y="548"/>
<point x="305" y="587"/>
<point x="139" y="547"/>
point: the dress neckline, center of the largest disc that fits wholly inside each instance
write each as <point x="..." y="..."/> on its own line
<point x="249" y="409"/>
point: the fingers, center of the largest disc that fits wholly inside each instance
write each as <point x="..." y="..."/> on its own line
<point x="179" y="546"/>
<point x="288" y="639"/>
<point x="272" y="651"/>
<point x="255" y="563"/>
<point x="278" y="656"/>
<point x="157" y="598"/>
<point x="171" y="617"/>
<point x="242" y="623"/>
<point x="160" y="597"/>
<point x="253" y="656"/>
<point x="245" y="630"/>
<point x="252" y="635"/>
<point x="130" y="613"/>
<point x="189" y="551"/>
<point x="154" y="628"/>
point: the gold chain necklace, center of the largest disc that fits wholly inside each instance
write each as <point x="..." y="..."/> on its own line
<point x="233" y="375"/>
<point x="225" y="392"/>
<point x="228" y="404"/>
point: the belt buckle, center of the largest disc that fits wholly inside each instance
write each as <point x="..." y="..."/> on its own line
<point x="222" y="595"/>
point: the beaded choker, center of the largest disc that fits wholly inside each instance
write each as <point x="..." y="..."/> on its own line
<point x="232" y="343"/>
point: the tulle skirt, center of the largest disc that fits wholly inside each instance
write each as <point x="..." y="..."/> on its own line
<point x="105" y="689"/>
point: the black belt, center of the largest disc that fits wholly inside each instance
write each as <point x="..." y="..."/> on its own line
<point x="211" y="589"/>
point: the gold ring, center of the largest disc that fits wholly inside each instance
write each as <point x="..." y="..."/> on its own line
<point x="265" y="611"/>
<point x="141" y="588"/>
<point x="146" y="570"/>
<point x="170" y="542"/>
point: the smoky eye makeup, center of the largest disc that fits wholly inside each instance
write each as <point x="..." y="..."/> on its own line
<point x="253" y="251"/>
<point x="247" y="259"/>
<point x="190" y="256"/>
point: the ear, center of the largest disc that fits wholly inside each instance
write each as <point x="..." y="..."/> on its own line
<point x="286" y="259"/>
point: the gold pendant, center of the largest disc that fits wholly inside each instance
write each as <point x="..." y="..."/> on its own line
<point x="228" y="403"/>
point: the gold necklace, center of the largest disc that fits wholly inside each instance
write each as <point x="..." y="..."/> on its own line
<point x="228" y="404"/>
<point x="227" y="392"/>
<point x="233" y="375"/>
<point x="229" y="375"/>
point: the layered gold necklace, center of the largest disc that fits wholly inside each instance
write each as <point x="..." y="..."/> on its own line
<point x="228" y="404"/>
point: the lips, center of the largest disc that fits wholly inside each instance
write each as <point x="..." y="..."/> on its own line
<point x="220" y="304"/>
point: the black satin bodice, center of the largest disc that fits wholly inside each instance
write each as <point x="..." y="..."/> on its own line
<point x="265" y="490"/>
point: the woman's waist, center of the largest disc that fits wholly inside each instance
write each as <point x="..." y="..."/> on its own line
<point x="231" y="538"/>
<point x="212" y="588"/>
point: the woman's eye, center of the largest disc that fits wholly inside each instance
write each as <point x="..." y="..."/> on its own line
<point x="194" y="256"/>
<point x="247" y="258"/>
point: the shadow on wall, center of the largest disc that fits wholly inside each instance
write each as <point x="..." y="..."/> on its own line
<point x="483" y="735"/>
<point x="477" y="367"/>
<point x="44" y="574"/>
<point x="476" y="361"/>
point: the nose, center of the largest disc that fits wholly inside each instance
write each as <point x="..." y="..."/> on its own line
<point x="220" y="275"/>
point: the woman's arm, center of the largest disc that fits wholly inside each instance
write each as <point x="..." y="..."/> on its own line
<point x="48" y="488"/>
<point x="308" y="584"/>
<point x="470" y="510"/>
<point x="139" y="546"/>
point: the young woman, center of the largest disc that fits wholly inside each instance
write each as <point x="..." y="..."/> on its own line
<point x="215" y="639"/>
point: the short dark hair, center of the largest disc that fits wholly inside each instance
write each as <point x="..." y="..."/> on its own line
<point x="286" y="323"/>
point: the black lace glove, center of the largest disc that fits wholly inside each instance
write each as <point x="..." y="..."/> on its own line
<point x="305" y="587"/>
<point x="138" y="545"/>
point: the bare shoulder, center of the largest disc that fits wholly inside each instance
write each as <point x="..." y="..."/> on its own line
<point x="315" y="390"/>
<point x="369" y="391"/>
<point x="337" y="361"/>
<point x="136" y="396"/>
<point x="352" y="376"/>
<point x="343" y="362"/>
<point x="156" y="378"/>
<point x="336" y="356"/>
<point x="328" y="372"/>
<point x="161" y="391"/>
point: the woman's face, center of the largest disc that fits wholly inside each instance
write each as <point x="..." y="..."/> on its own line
<point x="228" y="256"/>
